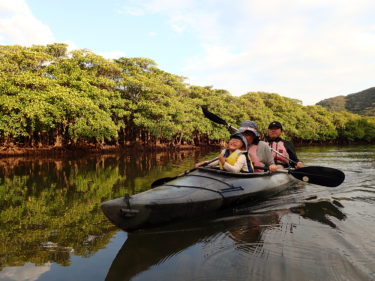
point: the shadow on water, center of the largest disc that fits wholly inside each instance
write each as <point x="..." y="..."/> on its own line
<point x="320" y="212"/>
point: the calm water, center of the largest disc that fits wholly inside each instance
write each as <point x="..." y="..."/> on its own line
<point x="51" y="226"/>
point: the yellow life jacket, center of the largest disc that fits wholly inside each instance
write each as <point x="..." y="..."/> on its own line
<point x="231" y="158"/>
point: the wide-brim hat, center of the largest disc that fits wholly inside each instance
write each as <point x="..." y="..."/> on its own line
<point x="250" y="124"/>
<point x="242" y="130"/>
<point x="241" y="137"/>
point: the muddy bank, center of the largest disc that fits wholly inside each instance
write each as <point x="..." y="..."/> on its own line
<point x="12" y="151"/>
<point x="83" y="150"/>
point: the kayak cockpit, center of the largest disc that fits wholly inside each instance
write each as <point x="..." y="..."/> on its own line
<point x="215" y="170"/>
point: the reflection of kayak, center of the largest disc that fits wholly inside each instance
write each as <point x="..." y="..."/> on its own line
<point x="144" y="250"/>
<point x="194" y="194"/>
<point x="192" y="250"/>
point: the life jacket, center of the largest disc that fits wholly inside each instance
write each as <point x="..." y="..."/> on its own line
<point x="254" y="158"/>
<point x="231" y="159"/>
<point x="279" y="146"/>
<point x="249" y="163"/>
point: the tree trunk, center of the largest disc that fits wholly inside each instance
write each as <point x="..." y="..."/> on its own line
<point x="58" y="140"/>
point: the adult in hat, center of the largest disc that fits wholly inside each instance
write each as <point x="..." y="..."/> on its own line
<point x="282" y="150"/>
<point x="258" y="150"/>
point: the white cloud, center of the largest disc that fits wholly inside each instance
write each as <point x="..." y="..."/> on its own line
<point x="27" y="272"/>
<point x="112" y="54"/>
<point x="71" y="45"/>
<point x="309" y="50"/>
<point x="19" y="26"/>
<point x="133" y="11"/>
<point x="182" y="15"/>
<point x="152" y="34"/>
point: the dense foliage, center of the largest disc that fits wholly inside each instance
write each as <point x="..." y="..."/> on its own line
<point x="50" y="97"/>
<point x="360" y="103"/>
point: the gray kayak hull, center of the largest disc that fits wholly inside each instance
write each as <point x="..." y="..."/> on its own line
<point x="195" y="194"/>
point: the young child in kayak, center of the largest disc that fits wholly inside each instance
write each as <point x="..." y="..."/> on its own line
<point x="233" y="159"/>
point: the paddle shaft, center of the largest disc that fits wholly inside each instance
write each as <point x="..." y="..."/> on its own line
<point x="218" y="120"/>
<point x="287" y="158"/>
<point x="167" y="179"/>
<point x="204" y="164"/>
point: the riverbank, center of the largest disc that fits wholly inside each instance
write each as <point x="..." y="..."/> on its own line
<point x="12" y="151"/>
<point x="16" y="151"/>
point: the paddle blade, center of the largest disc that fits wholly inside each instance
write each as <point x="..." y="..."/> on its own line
<point x="213" y="117"/>
<point x="319" y="175"/>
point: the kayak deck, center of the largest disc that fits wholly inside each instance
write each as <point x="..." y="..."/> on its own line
<point x="193" y="194"/>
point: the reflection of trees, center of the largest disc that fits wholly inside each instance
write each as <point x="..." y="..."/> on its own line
<point x="141" y="169"/>
<point x="50" y="208"/>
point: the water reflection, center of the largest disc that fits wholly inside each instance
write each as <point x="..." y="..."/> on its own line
<point x="320" y="211"/>
<point x="50" y="208"/>
<point x="51" y="225"/>
<point x="216" y="238"/>
<point x="143" y="250"/>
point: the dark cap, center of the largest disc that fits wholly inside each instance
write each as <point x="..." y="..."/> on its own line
<point x="275" y="124"/>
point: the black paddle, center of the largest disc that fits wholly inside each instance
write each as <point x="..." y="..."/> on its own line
<point x="216" y="119"/>
<point x="317" y="175"/>
<point x="168" y="179"/>
<point x="314" y="174"/>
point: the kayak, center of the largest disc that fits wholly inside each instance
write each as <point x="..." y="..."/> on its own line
<point x="193" y="194"/>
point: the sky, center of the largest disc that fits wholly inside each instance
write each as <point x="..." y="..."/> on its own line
<point x="304" y="49"/>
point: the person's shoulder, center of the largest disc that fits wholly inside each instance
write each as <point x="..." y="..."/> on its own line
<point x="288" y="142"/>
<point x="242" y="155"/>
<point x="262" y="144"/>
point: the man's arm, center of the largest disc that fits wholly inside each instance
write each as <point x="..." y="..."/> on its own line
<point x="265" y="154"/>
<point x="293" y="155"/>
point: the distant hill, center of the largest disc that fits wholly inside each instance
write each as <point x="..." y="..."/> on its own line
<point x="361" y="103"/>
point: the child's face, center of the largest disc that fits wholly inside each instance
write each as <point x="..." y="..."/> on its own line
<point x="234" y="144"/>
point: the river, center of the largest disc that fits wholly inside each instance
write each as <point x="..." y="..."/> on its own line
<point x="52" y="228"/>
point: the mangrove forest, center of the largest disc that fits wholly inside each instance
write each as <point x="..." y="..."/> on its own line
<point x="53" y="98"/>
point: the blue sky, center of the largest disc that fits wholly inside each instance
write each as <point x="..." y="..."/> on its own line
<point x="304" y="49"/>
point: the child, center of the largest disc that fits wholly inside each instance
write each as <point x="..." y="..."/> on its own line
<point x="233" y="159"/>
